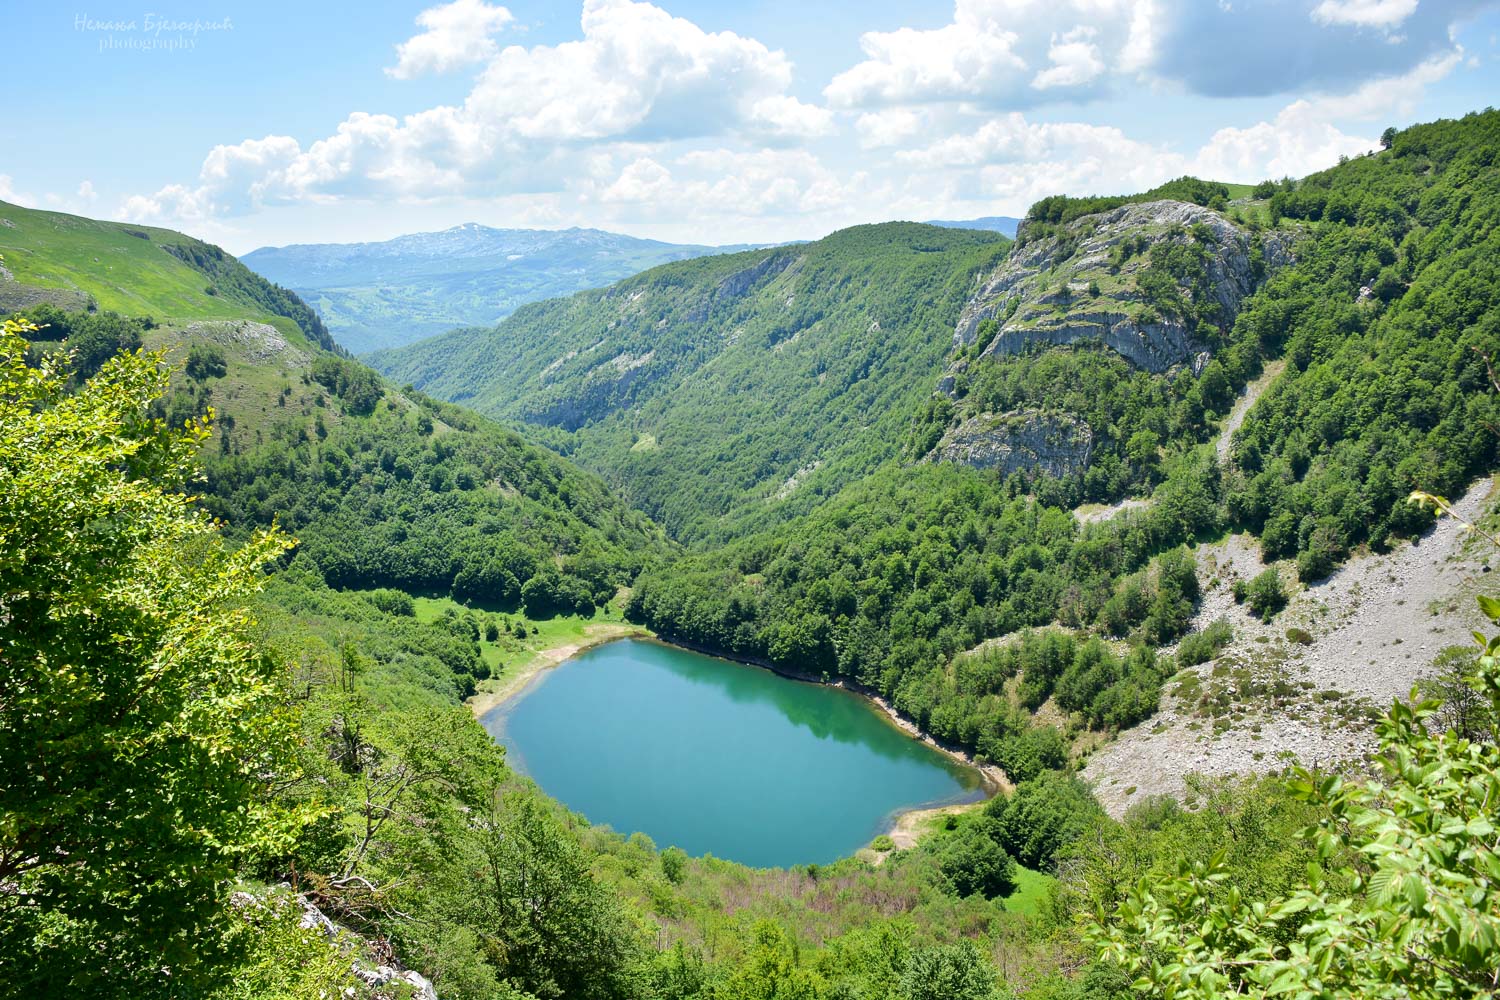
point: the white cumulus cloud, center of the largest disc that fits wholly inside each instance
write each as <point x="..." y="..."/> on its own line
<point x="643" y="180"/>
<point x="176" y="205"/>
<point x="1017" y="54"/>
<point x="1000" y="53"/>
<point x="458" y="34"/>
<point x="889" y="126"/>
<point x="1303" y="137"/>
<point x="636" y="77"/>
<point x="1299" y="140"/>
<point x="1364" y="13"/>
<point x="784" y="117"/>
<point x="9" y="193"/>
<point x="637" y="72"/>
<point x="644" y="119"/>
<point x="727" y="184"/>
<point x="1013" y="161"/>
<point x="1075" y="60"/>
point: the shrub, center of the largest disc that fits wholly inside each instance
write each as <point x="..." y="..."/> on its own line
<point x="953" y="972"/>
<point x="549" y="593"/>
<point x="393" y="602"/>
<point x="883" y="843"/>
<point x="205" y="361"/>
<point x="359" y="387"/>
<point x="1461" y="708"/>
<point x="1300" y="636"/>
<point x="1041" y="817"/>
<point x="973" y="863"/>
<point x="1265" y="595"/>
<point x="673" y="864"/>
<point x="1027" y="754"/>
<point x="1200" y="647"/>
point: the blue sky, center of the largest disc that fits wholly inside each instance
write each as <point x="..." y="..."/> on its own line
<point x="271" y="123"/>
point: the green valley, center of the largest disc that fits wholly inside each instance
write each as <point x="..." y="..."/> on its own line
<point x="726" y="392"/>
<point x="1139" y="517"/>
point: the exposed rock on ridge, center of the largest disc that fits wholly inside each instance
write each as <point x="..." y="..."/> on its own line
<point x="373" y="973"/>
<point x="1054" y="443"/>
<point x="740" y="282"/>
<point x="1042" y="265"/>
<point x="605" y="385"/>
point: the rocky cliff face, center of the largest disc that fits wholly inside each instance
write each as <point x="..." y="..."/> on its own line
<point x="1054" y="443"/>
<point x="1060" y="287"/>
<point x="605" y="386"/>
<point x="739" y="283"/>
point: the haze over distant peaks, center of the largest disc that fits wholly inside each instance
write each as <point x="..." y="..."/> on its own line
<point x="385" y="294"/>
<point x="1004" y="224"/>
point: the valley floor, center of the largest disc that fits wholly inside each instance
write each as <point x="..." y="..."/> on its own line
<point x="1376" y="625"/>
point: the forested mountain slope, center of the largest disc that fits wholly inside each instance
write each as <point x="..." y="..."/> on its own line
<point x="375" y="792"/>
<point x="170" y="736"/>
<point x="382" y="489"/>
<point x="382" y="295"/>
<point x="729" y="391"/>
<point x="1385" y="313"/>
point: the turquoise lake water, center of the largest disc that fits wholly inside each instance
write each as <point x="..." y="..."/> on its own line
<point x="718" y="757"/>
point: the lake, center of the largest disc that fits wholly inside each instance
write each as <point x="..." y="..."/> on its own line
<point x="718" y="757"/>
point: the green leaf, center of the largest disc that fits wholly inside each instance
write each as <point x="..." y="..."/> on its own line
<point x="1490" y="606"/>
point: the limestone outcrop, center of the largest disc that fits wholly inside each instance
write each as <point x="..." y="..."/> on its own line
<point x="1022" y="440"/>
<point x="1058" y="287"/>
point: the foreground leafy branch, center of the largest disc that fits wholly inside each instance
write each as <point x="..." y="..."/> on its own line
<point x="140" y="727"/>
<point x="1405" y="901"/>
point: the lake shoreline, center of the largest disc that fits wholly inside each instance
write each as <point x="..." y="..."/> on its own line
<point x="902" y="824"/>
<point x="993" y="779"/>
<point x="483" y="703"/>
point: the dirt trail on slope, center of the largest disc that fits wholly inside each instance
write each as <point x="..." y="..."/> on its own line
<point x="1376" y="625"/>
<point x="1093" y="513"/>
<point x="1241" y="408"/>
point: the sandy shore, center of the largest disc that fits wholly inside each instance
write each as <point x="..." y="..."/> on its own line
<point x="911" y="824"/>
<point x="908" y="828"/>
<point x="593" y="635"/>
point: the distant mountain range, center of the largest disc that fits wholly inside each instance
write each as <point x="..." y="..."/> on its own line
<point x="1004" y="224"/>
<point x="381" y="295"/>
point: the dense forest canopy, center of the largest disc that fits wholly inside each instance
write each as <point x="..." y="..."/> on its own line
<point x="382" y="488"/>
<point x="1382" y="394"/>
<point x="731" y="391"/>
